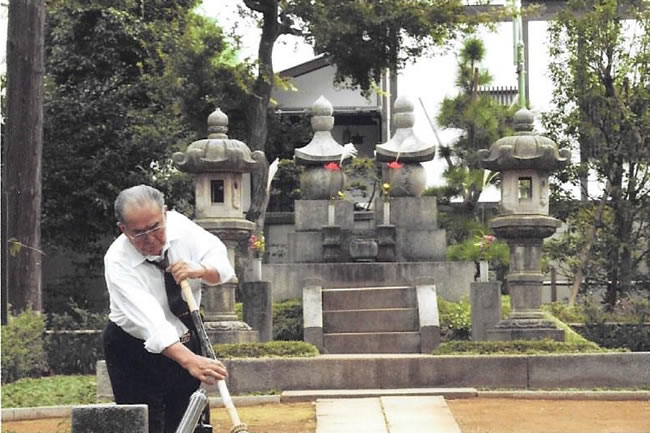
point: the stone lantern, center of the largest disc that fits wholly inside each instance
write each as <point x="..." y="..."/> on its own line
<point x="218" y="164"/>
<point x="525" y="161"/>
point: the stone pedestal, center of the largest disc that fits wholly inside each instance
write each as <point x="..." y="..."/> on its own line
<point x="525" y="236"/>
<point x="258" y="308"/>
<point x="486" y="308"/>
<point x="221" y="322"/>
<point x="417" y="236"/>
<point x="110" y="418"/>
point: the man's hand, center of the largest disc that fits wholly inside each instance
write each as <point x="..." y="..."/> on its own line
<point x="204" y="369"/>
<point x="182" y="271"/>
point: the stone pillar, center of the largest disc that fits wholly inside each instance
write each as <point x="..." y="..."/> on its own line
<point x="485" y="298"/>
<point x="312" y="312"/>
<point x="258" y="308"/>
<point x="110" y="418"/>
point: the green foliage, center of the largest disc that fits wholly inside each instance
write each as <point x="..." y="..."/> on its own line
<point x="76" y="318"/>
<point x="286" y="133"/>
<point x="50" y="391"/>
<point x="516" y="347"/>
<point x="271" y="349"/>
<point x="287" y="320"/>
<point x="23" y="353"/>
<point x="565" y="313"/>
<point x="455" y="319"/>
<point x="563" y="251"/>
<point x="285" y="188"/>
<point x="127" y="84"/>
<point x="482" y="120"/>
<point x="601" y="88"/>
<point x="631" y="336"/>
<point x="364" y="38"/>
<point x="481" y="247"/>
<point x="624" y="326"/>
<point x="74" y="352"/>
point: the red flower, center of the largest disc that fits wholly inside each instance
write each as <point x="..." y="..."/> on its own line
<point x="395" y="165"/>
<point x="332" y="166"/>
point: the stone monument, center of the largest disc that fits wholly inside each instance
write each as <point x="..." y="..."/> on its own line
<point x="218" y="164"/>
<point x="407" y="225"/>
<point x="525" y="161"/>
<point x="322" y="216"/>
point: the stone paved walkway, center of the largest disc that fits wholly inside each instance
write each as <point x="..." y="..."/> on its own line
<point x="385" y="415"/>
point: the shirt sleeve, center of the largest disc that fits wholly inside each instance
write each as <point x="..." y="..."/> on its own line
<point x="141" y="313"/>
<point x="209" y="250"/>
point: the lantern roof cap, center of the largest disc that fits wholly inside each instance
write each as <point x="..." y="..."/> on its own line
<point x="524" y="149"/>
<point x="217" y="153"/>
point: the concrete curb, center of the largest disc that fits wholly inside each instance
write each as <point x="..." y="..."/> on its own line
<point x="313" y="395"/>
<point x="29" y="413"/>
<point x="569" y="395"/>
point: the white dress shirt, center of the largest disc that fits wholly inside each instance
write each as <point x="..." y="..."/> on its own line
<point x="138" y="300"/>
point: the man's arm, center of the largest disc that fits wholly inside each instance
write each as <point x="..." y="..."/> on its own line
<point x="204" y="369"/>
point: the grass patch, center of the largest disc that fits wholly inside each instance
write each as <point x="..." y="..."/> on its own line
<point x="271" y="349"/>
<point x="516" y="347"/>
<point x="50" y="391"/>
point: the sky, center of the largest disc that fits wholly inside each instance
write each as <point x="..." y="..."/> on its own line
<point x="428" y="80"/>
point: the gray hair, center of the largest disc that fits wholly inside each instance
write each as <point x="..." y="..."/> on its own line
<point x="140" y="195"/>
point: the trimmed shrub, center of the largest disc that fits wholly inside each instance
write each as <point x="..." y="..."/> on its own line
<point x="271" y="349"/>
<point x="23" y="353"/>
<point x="74" y="352"/>
<point x="632" y="336"/>
<point x="287" y="320"/>
<point x="516" y="347"/>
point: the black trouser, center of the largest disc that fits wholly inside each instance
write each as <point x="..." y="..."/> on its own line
<point x="141" y="377"/>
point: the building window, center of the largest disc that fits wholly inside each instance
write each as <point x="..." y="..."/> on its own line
<point x="217" y="191"/>
<point x="525" y="188"/>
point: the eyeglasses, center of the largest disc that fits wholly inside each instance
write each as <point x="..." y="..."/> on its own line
<point x="141" y="235"/>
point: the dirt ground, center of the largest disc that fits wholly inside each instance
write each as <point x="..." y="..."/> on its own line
<point x="476" y="415"/>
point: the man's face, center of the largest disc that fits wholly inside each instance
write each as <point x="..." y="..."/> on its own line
<point x="145" y="228"/>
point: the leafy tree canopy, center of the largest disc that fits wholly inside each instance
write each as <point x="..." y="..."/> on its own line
<point x="127" y="83"/>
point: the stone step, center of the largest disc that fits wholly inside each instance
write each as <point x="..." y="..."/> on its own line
<point x="369" y="298"/>
<point x="379" y="320"/>
<point x="372" y="342"/>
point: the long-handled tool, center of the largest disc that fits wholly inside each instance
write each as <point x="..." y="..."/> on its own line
<point x="199" y="399"/>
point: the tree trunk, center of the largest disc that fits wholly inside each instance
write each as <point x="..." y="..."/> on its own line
<point x="258" y="110"/>
<point x="24" y="148"/>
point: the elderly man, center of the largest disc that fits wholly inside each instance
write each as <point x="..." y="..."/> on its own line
<point x="150" y="349"/>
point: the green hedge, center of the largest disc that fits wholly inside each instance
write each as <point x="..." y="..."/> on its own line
<point x="287" y="320"/>
<point x="23" y="351"/>
<point x="632" y="336"/>
<point x="74" y="352"/>
<point x="271" y="349"/>
<point x="516" y="347"/>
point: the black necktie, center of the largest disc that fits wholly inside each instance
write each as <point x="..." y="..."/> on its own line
<point x="177" y="304"/>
